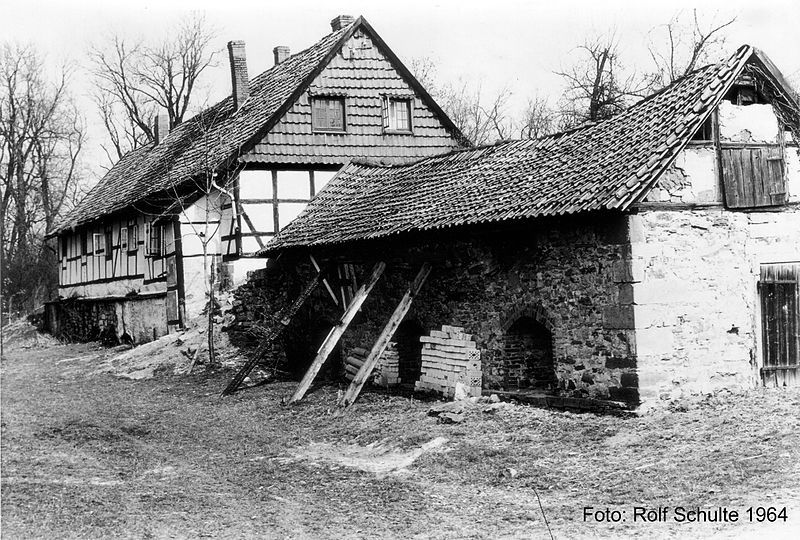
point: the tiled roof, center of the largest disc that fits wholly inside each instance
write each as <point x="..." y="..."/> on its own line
<point x="605" y="166"/>
<point x="211" y="139"/>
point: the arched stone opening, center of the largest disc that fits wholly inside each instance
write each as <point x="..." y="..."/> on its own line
<point x="527" y="355"/>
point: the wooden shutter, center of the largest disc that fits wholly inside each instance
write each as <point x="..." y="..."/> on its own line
<point x="753" y="176"/>
<point x="779" y="289"/>
<point x="385" y="112"/>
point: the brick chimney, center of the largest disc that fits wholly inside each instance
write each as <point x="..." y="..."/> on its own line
<point x="341" y="21"/>
<point x="161" y="127"/>
<point x="239" y="80"/>
<point x="281" y="53"/>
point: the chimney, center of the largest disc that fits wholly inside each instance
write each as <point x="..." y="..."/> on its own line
<point x="281" y="53"/>
<point x="161" y="127"/>
<point x="341" y="21"/>
<point x="239" y="81"/>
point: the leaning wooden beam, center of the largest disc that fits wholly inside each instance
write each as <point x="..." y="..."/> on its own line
<point x="284" y="318"/>
<point x="385" y="337"/>
<point x="336" y="332"/>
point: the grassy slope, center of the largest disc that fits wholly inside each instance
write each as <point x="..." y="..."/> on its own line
<point x="100" y="457"/>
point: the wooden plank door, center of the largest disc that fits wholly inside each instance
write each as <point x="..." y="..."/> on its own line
<point x="779" y="290"/>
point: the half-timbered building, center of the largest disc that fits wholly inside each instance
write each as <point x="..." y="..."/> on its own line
<point x="134" y="254"/>
<point x="650" y="255"/>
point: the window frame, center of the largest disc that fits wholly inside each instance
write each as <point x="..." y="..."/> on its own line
<point x="389" y="117"/>
<point x="314" y="117"/>
<point x="133" y="238"/>
<point x="98" y="244"/>
<point x="156" y="235"/>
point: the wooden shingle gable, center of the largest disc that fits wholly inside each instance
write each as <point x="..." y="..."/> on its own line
<point x="291" y="138"/>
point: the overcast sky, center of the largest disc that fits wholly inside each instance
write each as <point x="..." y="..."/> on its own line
<point x="502" y="43"/>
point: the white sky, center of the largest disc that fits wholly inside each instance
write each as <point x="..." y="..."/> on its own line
<point x="509" y="43"/>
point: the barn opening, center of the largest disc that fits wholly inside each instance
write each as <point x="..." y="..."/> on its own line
<point x="301" y="348"/>
<point x="527" y="356"/>
<point x="409" y="350"/>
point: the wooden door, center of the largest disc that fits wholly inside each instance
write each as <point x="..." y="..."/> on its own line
<point x="779" y="290"/>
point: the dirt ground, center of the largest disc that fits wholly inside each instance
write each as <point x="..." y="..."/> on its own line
<point x="87" y="454"/>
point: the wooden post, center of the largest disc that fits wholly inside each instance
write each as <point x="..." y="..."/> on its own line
<point x="283" y="320"/>
<point x="336" y="332"/>
<point x="385" y="337"/>
<point x="324" y="280"/>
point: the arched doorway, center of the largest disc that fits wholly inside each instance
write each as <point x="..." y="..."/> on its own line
<point x="409" y="351"/>
<point x="528" y="356"/>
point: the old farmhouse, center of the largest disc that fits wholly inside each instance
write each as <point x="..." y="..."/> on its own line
<point x="135" y="253"/>
<point x="636" y="259"/>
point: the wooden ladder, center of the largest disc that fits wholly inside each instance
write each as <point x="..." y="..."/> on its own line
<point x="284" y="318"/>
<point x="385" y="337"/>
<point x="336" y="332"/>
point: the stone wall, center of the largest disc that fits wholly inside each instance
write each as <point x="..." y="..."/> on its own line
<point x="569" y="274"/>
<point x="694" y="284"/>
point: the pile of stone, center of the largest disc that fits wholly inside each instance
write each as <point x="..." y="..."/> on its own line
<point x="449" y="359"/>
<point x="387" y="371"/>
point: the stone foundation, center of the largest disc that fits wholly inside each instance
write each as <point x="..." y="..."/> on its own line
<point x="127" y="320"/>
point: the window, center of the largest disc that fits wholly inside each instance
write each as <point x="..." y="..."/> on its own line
<point x="109" y="241"/>
<point x="705" y="133"/>
<point x="399" y="115"/>
<point x="327" y="113"/>
<point x="123" y="239"/>
<point x="133" y="237"/>
<point x="156" y="245"/>
<point x="64" y="245"/>
<point x="753" y="176"/>
<point x="84" y="243"/>
<point x="98" y="243"/>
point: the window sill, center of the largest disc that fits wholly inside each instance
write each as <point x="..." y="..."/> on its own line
<point x="329" y="131"/>
<point x="397" y="132"/>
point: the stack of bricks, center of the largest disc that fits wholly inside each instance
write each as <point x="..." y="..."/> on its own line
<point x="449" y="357"/>
<point x="387" y="371"/>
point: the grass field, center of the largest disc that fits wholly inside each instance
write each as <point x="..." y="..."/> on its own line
<point x="88" y="455"/>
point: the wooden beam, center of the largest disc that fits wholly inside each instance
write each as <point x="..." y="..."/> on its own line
<point x="324" y="281"/>
<point x="336" y="332"/>
<point x="284" y="318"/>
<point x="385" y="337"/>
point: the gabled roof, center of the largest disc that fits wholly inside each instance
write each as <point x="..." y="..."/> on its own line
<point x="606" y="166"/>
<point x="215" y="138"/>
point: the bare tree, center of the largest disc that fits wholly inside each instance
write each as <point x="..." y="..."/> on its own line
<point x="207" y="194"/>
<point x="41" y="137"/>
<point x="134" y="81"/>
<point x="597" y="84"/>
<point x="538" y="119"/>
<point x="683" y="44"/>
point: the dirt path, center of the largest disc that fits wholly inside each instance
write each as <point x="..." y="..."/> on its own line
<point x="89" y="455"/>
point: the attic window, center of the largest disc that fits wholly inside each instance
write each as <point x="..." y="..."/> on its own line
<point x="397" y="115"/>
<point x="328" y="113"/>
<point x="705" y="133"/>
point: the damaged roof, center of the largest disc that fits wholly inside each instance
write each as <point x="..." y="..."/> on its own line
<point x="605" y="166"/>
<point x="217" y="137"/>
